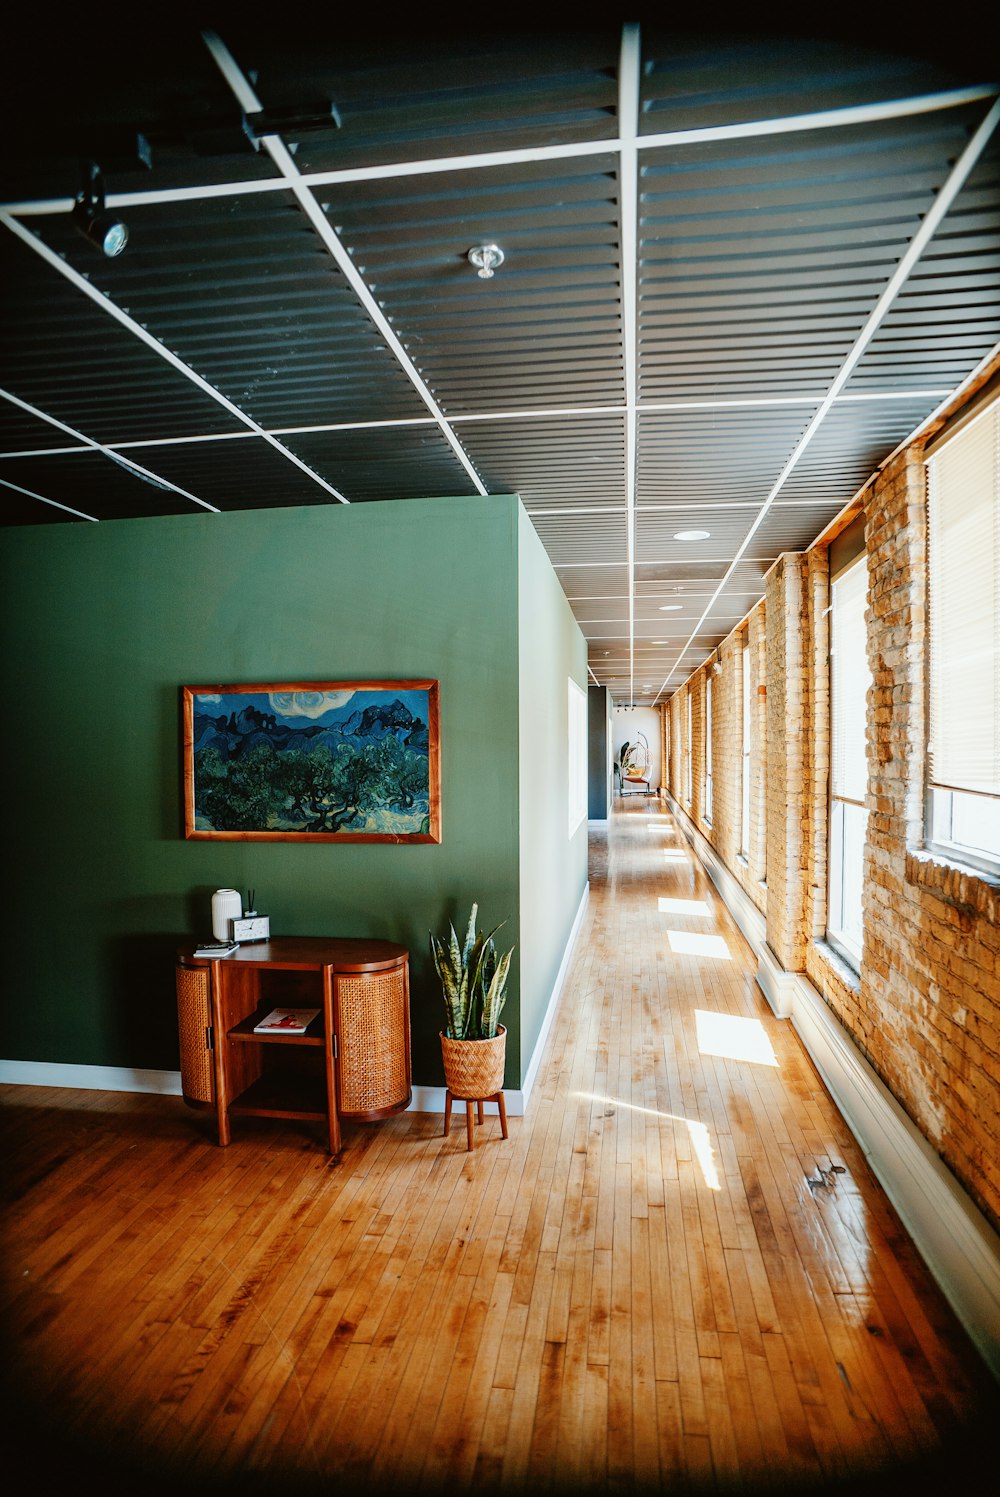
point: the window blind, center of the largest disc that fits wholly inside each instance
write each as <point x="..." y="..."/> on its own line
<point x="850" y="679"/>
<point x="745" y="757"/>
<point x="708" y="748"/>
<point x="964" y="587"/>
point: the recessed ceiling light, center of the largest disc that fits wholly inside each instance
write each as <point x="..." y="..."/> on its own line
<point x="692" y="535"/>
<point x="670" y="607"/>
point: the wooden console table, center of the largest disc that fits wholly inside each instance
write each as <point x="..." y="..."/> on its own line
<point x="353" y="1060"/>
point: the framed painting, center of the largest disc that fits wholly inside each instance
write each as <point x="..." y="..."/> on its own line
<point x="328" y="761"/>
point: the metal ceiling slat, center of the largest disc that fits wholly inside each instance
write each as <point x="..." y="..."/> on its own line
<point x="101" y="489"/>
<point x="256" y="348"/>
<point x="547" y="324"/>
<point x="139" y="331"/>
<point x="715" y="78"/>
<point x="956" y="179"/>
<point x="315" y="332"/>
<point x="282" y="158"/>
<point x="414" y="462"/>
<point x="236" y="475"/>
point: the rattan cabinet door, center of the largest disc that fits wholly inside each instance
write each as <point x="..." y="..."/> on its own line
<point x="194" y="1027"/>
<point x="373" y="1042"/>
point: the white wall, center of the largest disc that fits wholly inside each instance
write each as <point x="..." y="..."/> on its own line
<point x="628" y="723"/>
<point x="553" y="860"/>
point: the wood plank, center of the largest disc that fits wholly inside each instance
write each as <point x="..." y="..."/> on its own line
<point x="639" y="1288"/>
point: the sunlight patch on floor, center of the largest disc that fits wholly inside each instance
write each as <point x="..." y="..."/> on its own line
<point x="683" y="907"/>
<point x="733" y="1037"/>
<point x="690" y="943"/>
<point x="701" y="1139"/>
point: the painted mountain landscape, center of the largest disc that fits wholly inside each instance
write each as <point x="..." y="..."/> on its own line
<point x="350" y="763"/>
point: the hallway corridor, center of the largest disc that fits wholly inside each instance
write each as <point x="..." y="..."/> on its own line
<point x="678" y="1271"/>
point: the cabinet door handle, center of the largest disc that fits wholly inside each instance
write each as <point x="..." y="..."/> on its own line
<point x="209" y="1038"/>
<point x="336" y="1053"/>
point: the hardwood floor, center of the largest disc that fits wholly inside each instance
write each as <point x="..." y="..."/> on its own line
<point x="678" y="1272"/>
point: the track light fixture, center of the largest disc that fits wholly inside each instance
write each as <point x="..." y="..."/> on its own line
<point x="92" y="220"/>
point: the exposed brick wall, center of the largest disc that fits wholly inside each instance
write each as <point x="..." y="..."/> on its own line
<point x="723" y="832"/>
<point x="925" y="1007"/>
<point x="789" y="805"/>
<point x="930" y="978"/>
<point x="816" y="648"/>
<point x="757" y="849"/>
<point x="728" y="707"/>
<point x="698" y="748"/>
<point x="675" y="777"/>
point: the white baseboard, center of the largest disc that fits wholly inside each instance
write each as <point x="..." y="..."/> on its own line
<point x="959" y="1246"/>
<point x="956" y="1241"/>
<point x="742" y="908"/>
<point x="431" y="1099"/>
<point x="168" y="1083"/>
<point x="531" y="1070"/>
<point x="777" y="985"/>
<point x="89" y="1078"/>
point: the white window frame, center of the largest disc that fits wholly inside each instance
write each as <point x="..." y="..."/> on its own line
<point x="745" y="753"/>
<point x="963" y="818"/>
<point x="708" y="750"/>
<point x="688" y="746"/>
<point x="848" y="814"/>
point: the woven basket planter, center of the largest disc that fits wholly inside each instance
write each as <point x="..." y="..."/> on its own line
<point x="474" y="1068"/>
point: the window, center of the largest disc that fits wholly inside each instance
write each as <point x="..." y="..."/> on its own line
<point x="963" y="751"/>
<point x="708" y="748"/>
<point x="688" y="736"/>
<point x="850" y="679"/>
<point x="745" y="756"/>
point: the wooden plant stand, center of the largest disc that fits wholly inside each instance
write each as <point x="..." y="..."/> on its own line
<point x="477" y="1103"/>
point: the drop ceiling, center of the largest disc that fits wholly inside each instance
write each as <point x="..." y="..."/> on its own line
<point x="739" y="272"/>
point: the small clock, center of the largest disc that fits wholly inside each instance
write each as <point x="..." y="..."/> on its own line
<point x="251" y="927"/>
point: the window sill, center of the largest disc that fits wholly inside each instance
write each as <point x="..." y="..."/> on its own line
<point x="840" y="965"/>
<point x="955" y="883"/>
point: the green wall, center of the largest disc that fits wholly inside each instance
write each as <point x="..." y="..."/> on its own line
<point x="553" y="864"/>
<point x="103" y="623"/>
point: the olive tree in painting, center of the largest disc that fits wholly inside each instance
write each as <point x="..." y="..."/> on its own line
<point x="335" y="761"/>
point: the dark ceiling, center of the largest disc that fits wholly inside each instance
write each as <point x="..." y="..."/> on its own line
<point x="739" y="272"/>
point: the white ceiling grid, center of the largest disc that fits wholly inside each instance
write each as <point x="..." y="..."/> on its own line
<point x="724" y="326"/>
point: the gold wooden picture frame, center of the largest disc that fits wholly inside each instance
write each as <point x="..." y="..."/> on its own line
<point x="306" y="761"/>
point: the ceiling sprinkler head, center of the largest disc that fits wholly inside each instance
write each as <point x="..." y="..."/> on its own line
<point x="486" y="258"/>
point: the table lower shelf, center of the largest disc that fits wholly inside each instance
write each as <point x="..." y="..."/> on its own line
<point x="279" y="1097"/>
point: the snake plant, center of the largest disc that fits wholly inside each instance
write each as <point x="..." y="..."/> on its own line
<point x="473" y="981"/>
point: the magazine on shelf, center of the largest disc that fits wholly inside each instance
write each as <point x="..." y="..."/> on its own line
<point x="217" y="948"/>
<point x="286" y="1021"/>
